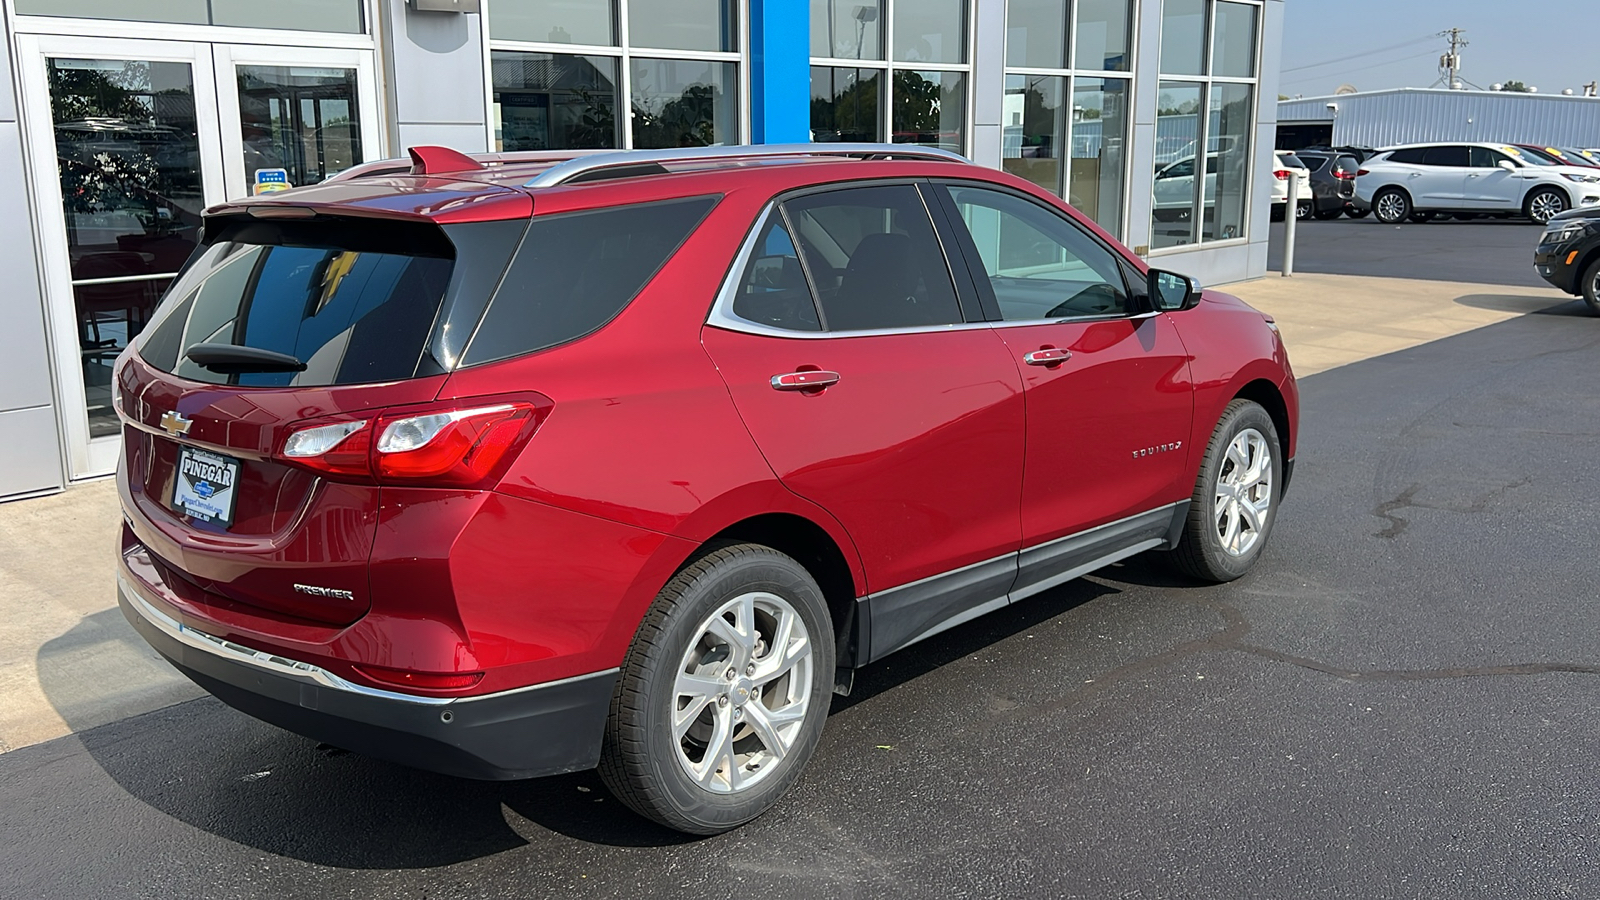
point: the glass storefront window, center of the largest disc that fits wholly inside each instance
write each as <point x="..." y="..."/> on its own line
<point x="847" y="29"/>
<point x="1035" y="129"/>
<point x="1234" y="43"/>
<point x="128" y="152"/>
<point x="1036" y="34"/>
<point x="1227" y="161"/>
<point x="1174" y="194"/>
<point x="930" y="31"/>
<point x="295" y="15"/>
<point x="683" y="24"/>
<point x="548" y="101"/>
<point x="930" y="108"/>
<point x="845" y="104"/>
<point x="684" y="103"/>
<point x="305" y="120"/>
<point x="1183" y="37"/>
<point x="555" y="21"/>
<point x="1102" y="35"/>
<point x="1100" y="116"/>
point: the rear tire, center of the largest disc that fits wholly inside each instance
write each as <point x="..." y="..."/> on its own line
<point x="1354" y="213"/>
<point x="743" y="635"/>
<point x="1328" y="214"/>
<point x="1591" y="286"/>
<point x="1392" y="206"/>
<point x="1235" y="498"/>
<point x="1544" y="204"/>
<point x="1303" y="210"/>
<point x="1422" y="218"/>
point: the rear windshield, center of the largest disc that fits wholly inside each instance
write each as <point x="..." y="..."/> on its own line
<point x="355" y="304"/>
<point x="1290" y="160"/>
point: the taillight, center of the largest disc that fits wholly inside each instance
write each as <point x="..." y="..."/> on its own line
<point x="463" y="444"/>
<point x="1361" y="172"/>
<point x="1280" y="174"/>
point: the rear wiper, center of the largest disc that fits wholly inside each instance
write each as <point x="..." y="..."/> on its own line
<point x="232" y="359"/>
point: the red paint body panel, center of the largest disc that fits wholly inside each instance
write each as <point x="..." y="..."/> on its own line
<point x="1231" y="350"/>
<point x="1126" y="388"/>
<point x="917" y="449"/>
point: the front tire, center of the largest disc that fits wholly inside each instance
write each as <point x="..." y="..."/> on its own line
<point x="724" y="692"/>
<point x="1392" y="206"/>
<point x="1303" y="210"/>
<point x="1235" y="498"/>
<point x="1591" y="286"/>
<point x="1354" y="213"/>
<point x="1544" y="204"/>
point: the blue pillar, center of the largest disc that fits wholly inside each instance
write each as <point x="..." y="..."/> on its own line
<point x="780" y="71"/>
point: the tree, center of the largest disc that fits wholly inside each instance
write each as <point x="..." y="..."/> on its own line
<point x="1515" y="87"/>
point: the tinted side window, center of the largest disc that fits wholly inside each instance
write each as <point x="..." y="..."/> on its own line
<point x="774" y="290"/>
<point x="1453" y="157"/>
<point x="1314" y="163"/>
<point x="1484" y="158"/>
<point x="1410" y="156"/>
<point x="874" y="259"/>
<point x="1041" y="265"/>
<point x="576" y="271"/>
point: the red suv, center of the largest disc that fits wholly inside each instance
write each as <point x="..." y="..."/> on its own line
<point x="505" y="466"/>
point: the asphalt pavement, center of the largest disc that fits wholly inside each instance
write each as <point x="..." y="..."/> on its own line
<point x="1479" y="251"/>
<point x="1401" y="701"/>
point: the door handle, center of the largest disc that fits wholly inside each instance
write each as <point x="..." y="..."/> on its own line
<point x="1415" y="175"/>
<point x="1047" y="356"/>
<point x="809" y="380"/>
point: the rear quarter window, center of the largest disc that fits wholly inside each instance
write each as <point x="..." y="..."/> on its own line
<point x="576" y="271"/>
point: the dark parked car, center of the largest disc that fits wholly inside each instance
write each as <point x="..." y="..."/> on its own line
<point x="1569" y="254"/>
<point x="514" y="465"/>
<point x="1559" y="157"/>
<point x="1333" y="181"/>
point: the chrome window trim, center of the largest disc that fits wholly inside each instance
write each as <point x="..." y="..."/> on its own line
<point x="295" y="669"/>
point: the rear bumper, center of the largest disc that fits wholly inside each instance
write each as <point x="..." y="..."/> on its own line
<point x="544" y="729"/>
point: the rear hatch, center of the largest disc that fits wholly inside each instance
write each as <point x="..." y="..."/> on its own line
<point x="287" y="317"/>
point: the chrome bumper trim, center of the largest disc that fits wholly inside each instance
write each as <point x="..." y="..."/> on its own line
<point x="294" y="669"/>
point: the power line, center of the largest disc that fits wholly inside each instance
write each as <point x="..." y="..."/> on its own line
<point x="1329" y="62"/>
<point x="1377" y="65"/>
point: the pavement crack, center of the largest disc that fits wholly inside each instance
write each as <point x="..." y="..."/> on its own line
<point x="1407" y="500"/>
<point x="1397" y="525"/>
<point x="1415" y="674"/>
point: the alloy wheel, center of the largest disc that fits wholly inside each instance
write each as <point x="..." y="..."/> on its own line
<point x="1545" y="206"/>
<point x="1392" y="207"/>
<point x="741" y="692"/>
<point x="1244" y="492"/>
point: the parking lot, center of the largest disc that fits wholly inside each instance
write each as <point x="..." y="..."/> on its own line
<point x="1400" y="701"/>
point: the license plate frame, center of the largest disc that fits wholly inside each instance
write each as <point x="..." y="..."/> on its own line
<point x="205" y="486"/>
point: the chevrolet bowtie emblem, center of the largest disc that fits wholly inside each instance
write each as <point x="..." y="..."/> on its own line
<point x="175" y="423"/>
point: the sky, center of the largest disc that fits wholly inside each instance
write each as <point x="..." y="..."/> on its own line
<point x="1531" y="41"/>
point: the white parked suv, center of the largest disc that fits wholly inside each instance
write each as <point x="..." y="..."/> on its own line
<point x="1285" y="162"/>
<point x="1420" y="181"/>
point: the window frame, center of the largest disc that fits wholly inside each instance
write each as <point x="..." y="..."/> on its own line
<point x="1070" y="76"/>
<point x="721" y="314"/>
<point x="887" y="66"/>
<point x="973" y="260"/>
<point x="625" y="51"/>
<point x="1202" y="141"/>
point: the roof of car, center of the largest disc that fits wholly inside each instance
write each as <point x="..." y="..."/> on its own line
<point x="447" y="186"/>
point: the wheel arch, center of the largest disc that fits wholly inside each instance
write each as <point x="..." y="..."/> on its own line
<point x="1266" y="394"/>
<point x="1527" y="197"/>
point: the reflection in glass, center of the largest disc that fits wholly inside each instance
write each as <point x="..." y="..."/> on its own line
<point x="128" y="154"/>
<point x="554" y="21"/>
<point x="931" y="31"/>
<point x="1234" y="45"/>
<point x="1177" y="126"/>
<point x="684" y="103"/>
<point x="1102" y="34"/>
<point x="545" y="101"/>
<point x="301" y="119"/>
<point x="1100" y="116"/>
<point x="684" y="24"/>
<point x="295" y="15"/>
<point x="1035" y="129"/>
<point x="1036" y="34"/>
<point x="1228" y="165"/>
<point x="1183" y="30"/>
<point x="845" y="104"/>
<point x="930" y="108"/>
<point x="847" y="29"/>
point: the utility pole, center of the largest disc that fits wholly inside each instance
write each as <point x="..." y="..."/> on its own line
<point x="1591" y="89"/>
<point x="1450" y="63"/>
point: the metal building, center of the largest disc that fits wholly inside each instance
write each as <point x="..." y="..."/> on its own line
<point x="1413" y="115"/>
<point x="121" y="121"/>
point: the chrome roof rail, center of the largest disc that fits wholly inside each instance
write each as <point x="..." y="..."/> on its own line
<point x="564" y="172"/>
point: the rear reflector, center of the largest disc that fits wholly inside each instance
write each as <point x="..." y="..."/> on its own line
<point x="428" y="681"/>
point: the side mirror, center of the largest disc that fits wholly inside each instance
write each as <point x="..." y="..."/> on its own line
<point x="1507" y="164"/>
<point x="1171" y="292"/>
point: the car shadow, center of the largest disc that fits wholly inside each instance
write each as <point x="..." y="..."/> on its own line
<point x="1525" y="304"/>
<point x="220" y="771"/>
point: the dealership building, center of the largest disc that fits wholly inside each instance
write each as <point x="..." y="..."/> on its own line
<point x="123" y="120"/>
